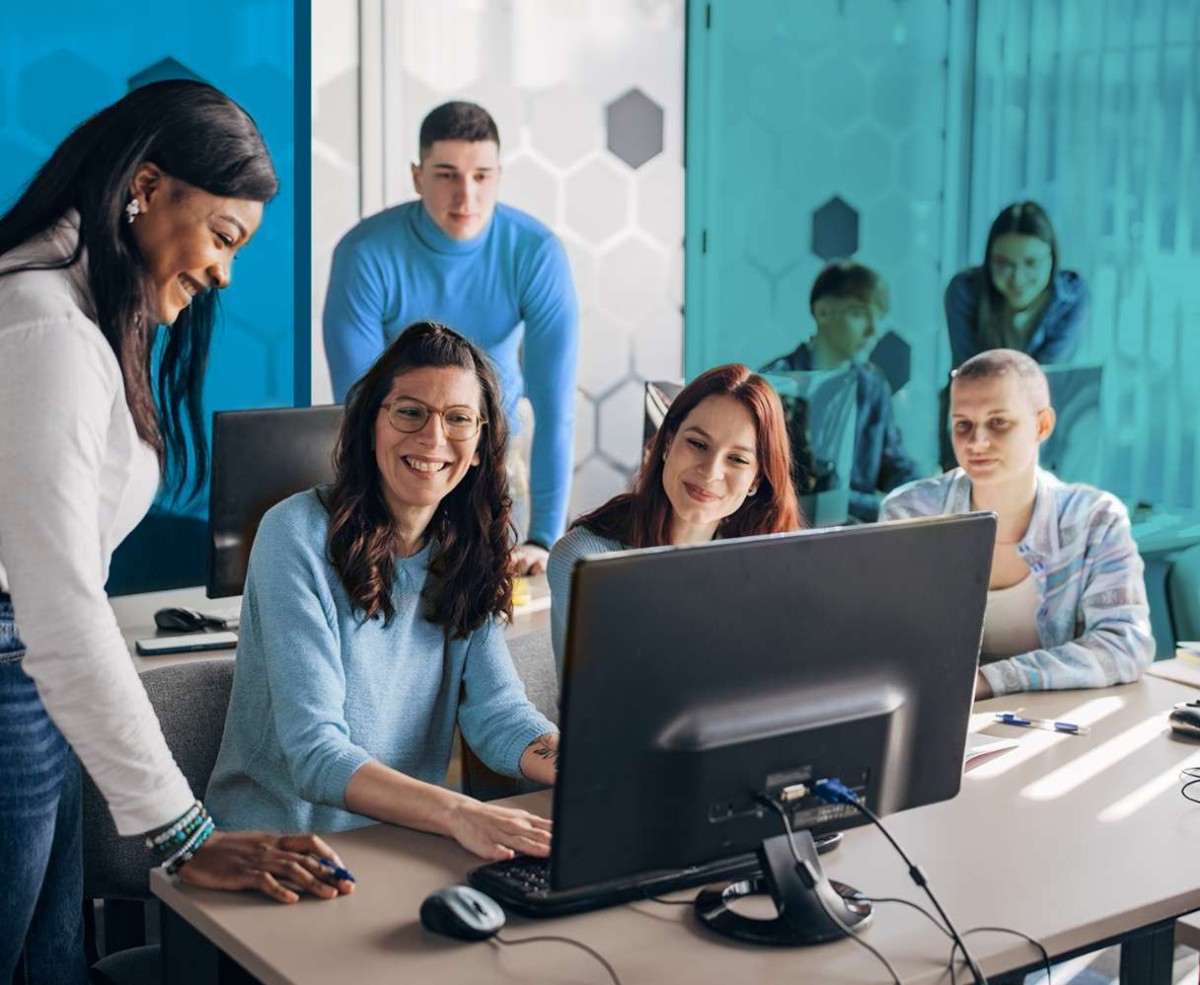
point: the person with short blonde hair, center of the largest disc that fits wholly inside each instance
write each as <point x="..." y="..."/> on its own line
<point x="1066" y="601"/>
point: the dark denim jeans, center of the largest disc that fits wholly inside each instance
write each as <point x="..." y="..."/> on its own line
<point x="41" y="905"/>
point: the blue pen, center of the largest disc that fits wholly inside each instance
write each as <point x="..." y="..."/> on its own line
<point x="338" y="871"/>
<point x="1049" y="724"/>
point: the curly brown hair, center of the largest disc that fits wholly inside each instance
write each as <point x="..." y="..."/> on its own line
<point x="471" y="528"/>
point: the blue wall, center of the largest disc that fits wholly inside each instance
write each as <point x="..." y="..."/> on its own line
<point x="61" y="62"/>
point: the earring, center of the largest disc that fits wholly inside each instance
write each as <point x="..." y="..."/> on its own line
<point x="133" y="209"/>
<point x="752" y="490"/>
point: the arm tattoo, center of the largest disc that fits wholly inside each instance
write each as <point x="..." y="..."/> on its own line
<point x="542" y="747"/>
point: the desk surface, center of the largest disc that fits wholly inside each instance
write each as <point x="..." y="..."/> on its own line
<point x="135" y="616"/>
<point x="1072" y="839"/>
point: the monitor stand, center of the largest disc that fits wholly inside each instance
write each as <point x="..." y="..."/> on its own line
<point x="800" y="916"/>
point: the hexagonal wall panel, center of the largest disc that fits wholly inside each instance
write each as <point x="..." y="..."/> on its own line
<point x="58" y="92"/>
<point x="894" y="357"/>
<point x="894" y="102"/>
<point x="659" y="194"/>
<point x="603" y="353"/>
<point x="634" y="125"/>
<point x="865" y="164"/>
<point x="529" y="186"/>
<point x="597" y="197"/>
<point x="585" y="427"/>
<point x="779" y="225"/>
<point x="632" y="278"/>
<point x="835" y="230"/>
<point x="333" y="126"/>
<point x="161" y="71"/>
<point x="583" y="270"/>
<point x="565" y="126"/>
<point x="837" y="90"/>
<point x="595" y="482"/>
<point x="658" y="345"/>
<point x="621" y="418"/>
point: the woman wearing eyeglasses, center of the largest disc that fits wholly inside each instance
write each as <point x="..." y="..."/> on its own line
<point x="372" y="621"/>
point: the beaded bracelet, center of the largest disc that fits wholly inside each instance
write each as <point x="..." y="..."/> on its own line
<point x="156" y="842"/>
<point x="188" y="851"/>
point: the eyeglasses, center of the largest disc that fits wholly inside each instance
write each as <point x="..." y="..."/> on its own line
<point x="458" y="423"/>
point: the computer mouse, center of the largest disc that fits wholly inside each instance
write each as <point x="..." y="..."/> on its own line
<point x="1186" y="721"/>
<point x="180" y="620"/>
<point x="462" y="912"/>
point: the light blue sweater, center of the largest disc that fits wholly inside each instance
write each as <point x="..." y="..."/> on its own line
<point x="575" y="544"/>
<point x="317" y="693"/>
<point x="398" y="267"/>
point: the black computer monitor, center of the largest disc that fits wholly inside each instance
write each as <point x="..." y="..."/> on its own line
<point x="700" y="678"/>
<point x="260" y="457"/>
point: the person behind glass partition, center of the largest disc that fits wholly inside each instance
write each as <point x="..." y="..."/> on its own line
<point x="133" y="223"/>
<point x="719" y="466"/>
<point x="848" y="301"/>
<point x="1019" y="299"/>
<point x="1066" y="603"/>
<point x="373" y="621"/>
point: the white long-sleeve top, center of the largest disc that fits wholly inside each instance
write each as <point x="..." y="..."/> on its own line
<point x="74" y="480"/>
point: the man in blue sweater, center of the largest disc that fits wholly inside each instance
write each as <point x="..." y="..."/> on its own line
<point x="847" y="301"/>
<point x="490" y="272"/>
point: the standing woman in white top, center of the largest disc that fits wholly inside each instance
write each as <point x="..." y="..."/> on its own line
<point x="132" y="224"/>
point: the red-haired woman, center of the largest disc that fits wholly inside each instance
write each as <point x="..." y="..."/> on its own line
<point x="720" y="466"/>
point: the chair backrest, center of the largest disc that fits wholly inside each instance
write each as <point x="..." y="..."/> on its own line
<point x="190" y="700"/>
<point x="533" y="657"/>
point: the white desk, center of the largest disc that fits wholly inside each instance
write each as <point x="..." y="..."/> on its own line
<point x="1077" y="840"/>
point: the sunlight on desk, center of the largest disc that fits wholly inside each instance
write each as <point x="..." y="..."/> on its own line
<point x="1095" y="761"/>
<point x="1167" y="781"/>
<point x="1034" y="744"/>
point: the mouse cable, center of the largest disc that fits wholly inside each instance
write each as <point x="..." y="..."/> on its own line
<point x="802" y="864"/>
<point x="1190" y="777"/>
<point x="836" y="792"/>
<point x="967" y="933"/>
<point x="552" y="938"/>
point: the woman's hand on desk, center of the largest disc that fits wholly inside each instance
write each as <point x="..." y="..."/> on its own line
<point x="494" y="833"/>
<point x="264" y="862"/>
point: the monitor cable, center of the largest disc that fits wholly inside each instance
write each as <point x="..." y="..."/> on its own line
<point x="1189" y="777"/>
<point x="836" y="792"/>
<point x="555" y="939"/>
<point x="806" y="873"/>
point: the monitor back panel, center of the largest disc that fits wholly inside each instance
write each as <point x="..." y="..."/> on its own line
<point x="848" y="650"/>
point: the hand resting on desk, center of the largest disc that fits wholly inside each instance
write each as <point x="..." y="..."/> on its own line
<point x="263" y="862"/>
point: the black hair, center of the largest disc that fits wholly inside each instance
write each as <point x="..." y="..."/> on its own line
<point x="457" y="121"/>
<point x="200" y="136"/>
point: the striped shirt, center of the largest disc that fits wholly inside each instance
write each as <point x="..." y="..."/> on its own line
<point x="1093" y="619"/>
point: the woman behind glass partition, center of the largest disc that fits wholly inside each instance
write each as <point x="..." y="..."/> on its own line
<point x="1019" y="299"/>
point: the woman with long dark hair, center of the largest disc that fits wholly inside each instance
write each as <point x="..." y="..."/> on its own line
<point x="720" y="466"/>
<point x="132" y="224"/>
<point x="373" y="621"/>
<point x="1019" y="298"/>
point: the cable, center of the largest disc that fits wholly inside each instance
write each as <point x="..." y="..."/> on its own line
<point x="543" y="938"/>
<point x="802" y="864"/>
<point x="1190" y="776"/>
<point x="966" y="933"/>
<point x="836" y="792"/>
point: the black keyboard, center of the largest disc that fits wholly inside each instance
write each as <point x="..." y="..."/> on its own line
<point x="522" y="884"/>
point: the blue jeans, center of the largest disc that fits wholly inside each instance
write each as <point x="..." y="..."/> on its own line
<point x="41" y="831"/>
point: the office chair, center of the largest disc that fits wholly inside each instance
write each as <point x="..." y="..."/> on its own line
<point x="190" y="700"/>
<point x="1183" y="594"/>
<point x="533" y="657"/>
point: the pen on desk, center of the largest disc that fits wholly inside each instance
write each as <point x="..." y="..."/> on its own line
<point x="338" y="871"/>
<point x="1049" y="724"/>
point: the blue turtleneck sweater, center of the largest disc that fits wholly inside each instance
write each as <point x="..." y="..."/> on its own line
<point x="398" y="267"/>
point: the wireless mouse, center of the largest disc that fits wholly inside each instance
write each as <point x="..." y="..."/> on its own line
<point x="462" y="912"/>
<point x="180" y="620"/>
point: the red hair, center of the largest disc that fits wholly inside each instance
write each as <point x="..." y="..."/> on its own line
<point x="642" y="518"/>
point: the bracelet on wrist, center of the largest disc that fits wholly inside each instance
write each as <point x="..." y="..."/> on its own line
<point x="188" y="851"/>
